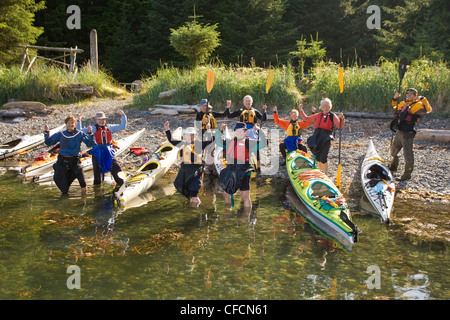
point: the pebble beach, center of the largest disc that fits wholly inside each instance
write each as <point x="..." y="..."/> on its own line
<point x="429" y="179"/>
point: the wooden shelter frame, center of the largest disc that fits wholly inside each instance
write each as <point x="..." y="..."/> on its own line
<point x="71" y="51"/>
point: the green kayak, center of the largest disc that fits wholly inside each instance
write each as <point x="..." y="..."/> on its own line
<point x="323" y="200"/>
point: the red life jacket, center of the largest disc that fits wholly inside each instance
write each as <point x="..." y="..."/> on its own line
<point x="240" y="150"/>
<point x="325" y="121"/>
<point x="102" y="135"/>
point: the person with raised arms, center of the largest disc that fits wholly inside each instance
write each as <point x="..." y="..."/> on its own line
<point x="103" y="159"/>
<point x="320" y="141"/>
<point x="237" y="173"/>
<point x="67" y="167"/>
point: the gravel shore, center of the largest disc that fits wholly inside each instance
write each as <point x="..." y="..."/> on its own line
<point x="429" y="180"/>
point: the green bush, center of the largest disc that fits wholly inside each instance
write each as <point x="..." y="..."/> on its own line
<point x="370" y="89"/>
<point x="231" y="83"/>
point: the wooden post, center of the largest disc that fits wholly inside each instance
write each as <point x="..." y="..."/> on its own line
<point x="25" y="54"/>
<point x="94" y="51"/>
<point x="73" y="57"/>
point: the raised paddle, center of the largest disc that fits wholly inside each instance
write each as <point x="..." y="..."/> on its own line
<point x="209" y="84"/>
<point x="268" y="85"/>
<point x="401" y="73"/>
<point x="341" y="89"/>
<point x="209" y="87"/>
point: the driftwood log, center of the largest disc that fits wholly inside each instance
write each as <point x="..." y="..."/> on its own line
<point x="167" y="94"/>
<point x="371" y="115"/>
<point x="14" y="113"/>
<point x="433" y="135"/>
<point x="30" y="106"/>
<point x="185" y="108"/>
<point x="76" y="89"/>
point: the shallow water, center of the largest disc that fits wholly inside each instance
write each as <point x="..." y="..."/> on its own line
<point x="166" y="249"/>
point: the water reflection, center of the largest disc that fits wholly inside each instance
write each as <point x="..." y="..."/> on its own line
<point x="165" y="249"/>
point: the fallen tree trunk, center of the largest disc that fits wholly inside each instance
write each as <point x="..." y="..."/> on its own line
<point x="25" y="106"/>
<point x="369" y="115"/>
<point x="433" y="135"/>
<point x="185" y="108"/>
<point x="14" y="113"/>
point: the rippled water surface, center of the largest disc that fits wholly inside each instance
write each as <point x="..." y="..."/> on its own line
<point x="165" y="249"/>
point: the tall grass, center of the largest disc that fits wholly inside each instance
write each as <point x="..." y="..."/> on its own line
<point x="371" y="89"/>
<point x="42" y="83"/>
<point x="231" y="83"/>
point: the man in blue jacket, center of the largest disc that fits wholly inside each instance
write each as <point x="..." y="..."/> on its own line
<point x="67" y="168"/>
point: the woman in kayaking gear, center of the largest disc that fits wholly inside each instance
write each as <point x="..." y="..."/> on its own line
<point x="236" y="175"/>
<point x="67" y="168"/>
<point x="189" y="179"/>
<point x="204" y="117"/>
<point x="319" y="143"/>
<point x="407" y="115"/>
<point x="249" y="115"/>
<point x="293" y="127"/>
<point x="103" y="159"/>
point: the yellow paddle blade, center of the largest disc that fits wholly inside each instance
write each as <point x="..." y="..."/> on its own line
<point x="209" y="81"/>
<point x="338" y="177"/>
<point x="269" y="80"/>
<point x="341" y="80"/>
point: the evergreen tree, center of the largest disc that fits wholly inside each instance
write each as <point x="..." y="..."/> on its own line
<point x="16" y="27"/>
<point x="195" y="41"/>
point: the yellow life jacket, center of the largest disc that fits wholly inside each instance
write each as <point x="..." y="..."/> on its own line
<point x="211" y="120"/>
<point x="293" y="130"/>
<point x="187" y="155"/>
<point x="248" y="116"/>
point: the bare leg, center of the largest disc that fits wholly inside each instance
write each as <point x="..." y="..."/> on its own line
<point x="323" y="167"/>
<point x="246" y="198"/>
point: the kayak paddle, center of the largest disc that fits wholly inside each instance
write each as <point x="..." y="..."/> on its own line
<point x="341" y="89"/>
<point x="401" y="73"/>
<point x="209" y="87"/>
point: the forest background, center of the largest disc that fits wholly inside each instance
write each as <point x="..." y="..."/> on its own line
<point x="133" y="35"/>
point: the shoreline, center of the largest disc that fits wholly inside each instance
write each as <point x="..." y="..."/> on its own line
<point x="428" y="180"/>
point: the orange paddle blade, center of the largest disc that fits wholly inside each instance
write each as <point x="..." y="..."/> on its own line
<point x="209" y="81"/>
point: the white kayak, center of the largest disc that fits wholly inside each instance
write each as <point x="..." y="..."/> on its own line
<point x="378" y="183"/>
<point x="86" y="162"/>
<point x="24" y="143"/>
<point x="145" y="177"/>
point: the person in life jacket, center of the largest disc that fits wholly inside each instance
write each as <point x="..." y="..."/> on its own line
<point x="407" y="115"/>
<point x="320" y="141"/>
<point x="103" y="159"/>
<point x="189" y="179"/>
<point x="249" y="115"/>
<point x="67" y="167"/>
<point x="293" y="127"/>
<point x="237" y="173"/>
<point x="204" y="117"/>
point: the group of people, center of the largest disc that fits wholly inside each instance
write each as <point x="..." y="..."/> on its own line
<point x="237" y="151"/>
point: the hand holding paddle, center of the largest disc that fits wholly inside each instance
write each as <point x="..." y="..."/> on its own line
<point x="341" y="116"/>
